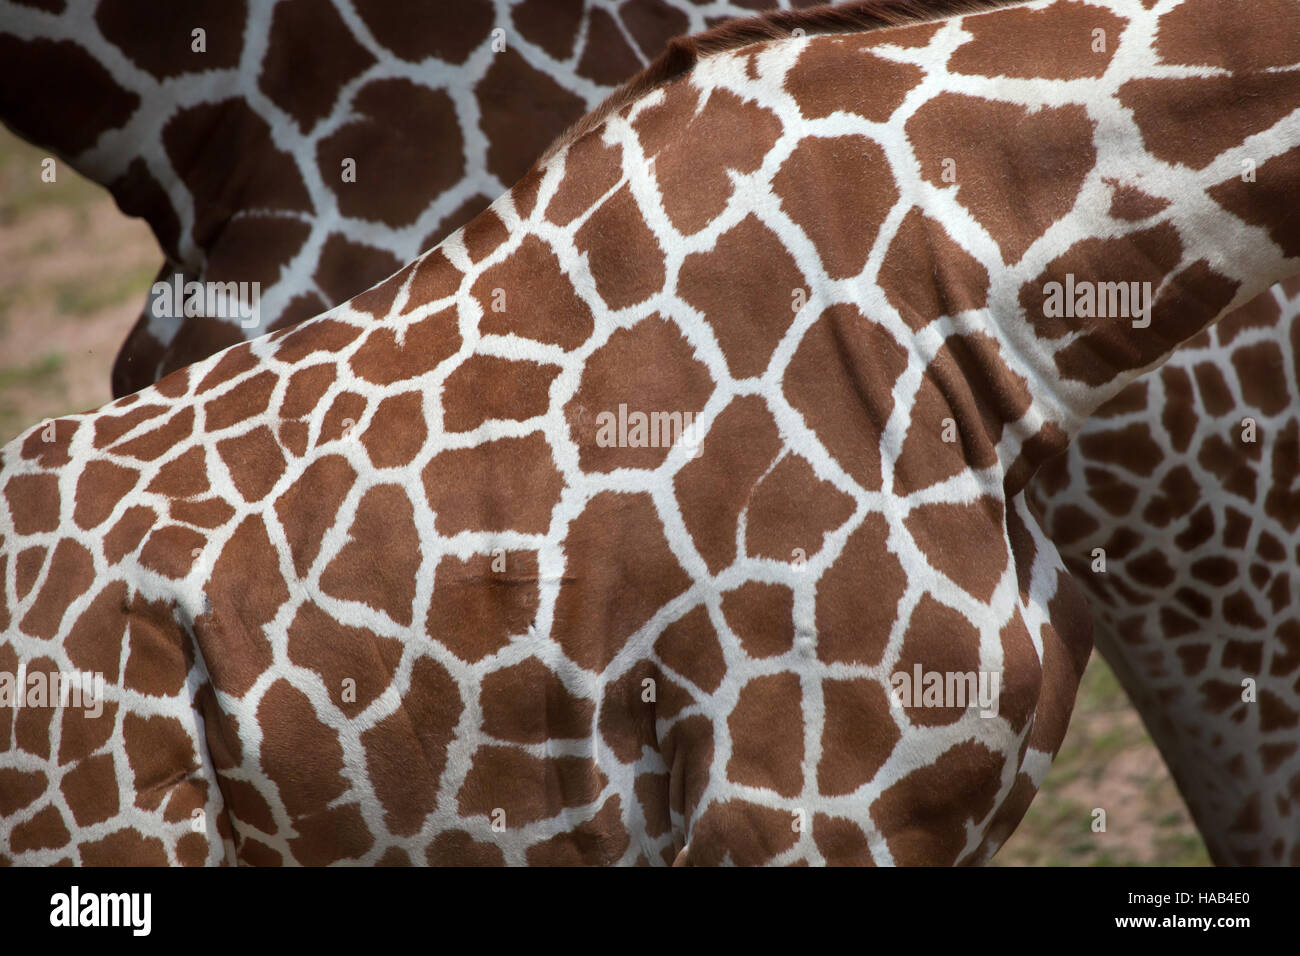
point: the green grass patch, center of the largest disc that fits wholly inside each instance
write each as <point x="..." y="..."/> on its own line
<point x="39" y="372"/>
<point x="86" y="297"/>
<point x="22" y="191"/>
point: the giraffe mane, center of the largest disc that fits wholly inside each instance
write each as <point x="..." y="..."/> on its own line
<point x="682" y="53"/>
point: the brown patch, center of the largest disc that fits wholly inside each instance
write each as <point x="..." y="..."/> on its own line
<point x="692" y="166"/>
<point x="397" y="430"/>
<point x="254" y="461"/>
<point x="390" y="355"/>
<point x="1000" y="151"/>
<point x="433" y="278"/>
<point x="485" y="387"/>
<point x="616" y="540"/>
<point x="305" y="388"/>
<point x="522" y="111"/>
<point x="597" y="169"/>
<point x="252" y="248"/>
<point x="841" y="842"/>
<point x="458" y="848"/>
<point x="182" y="477"/>
<point x="1189" y="303"/>
<point x="75" y="101"/>
<point x="407" y="750"/>
<point x="1261" y="370"/>
<point x="1132" y="204"/>
<point x="292" y="737"/>
<point x="853" y="620"/>
<point x="347" y="267"/>
<point x="342" y="416"/>
<point x="72" y="571"/>
<point x="157" y="36"/>
<point x="551" y="24"/>
<point x="647" y="374"/>
<point x="527" y="788"/>
<point x="34" y="503"/>
<point x="969" y="383"/>
<point x="397" y="175"/>
<point x="761" y="616"/>
<point x="94" y="642"/>
<point x="1191" y="121"/>
<point x="170" y="550"/>
<point x="622" y="253"/>
<point x="1055" y="43"/>
<point x="839" y="74"/>
<point x="528" y="294"/>
<point x="926" y="274"/>
<point x="416" y="31"/>
<point x="310" y="506"/>
<point x="745" y="833"/>
<point x="607" y="58"/>
<point x="767" y="735"/>
<point x="108" y="429"/>
<point x="308" y="37"/>
<point x="943" y="641"/>
<point x="483" y="235"/>
<point x="377" y="566"/>
<point x="860" y="734"/>
<point x="841" y="380"/>
<point x="19" y="788"/>
<point x="52" y="454"/>
<point x="139" y="194"/>
<point x="527" y="703"/>
<point x="155" y="443"/>
<point x="690" y="647"/>
<point x="1130" y="447"/>
<point x="245" y="590"/>
<point x="231" y="365"/>
<point x="339" y="654"/>
<point x="838" y="190"/>
<point x="188" y="138"/>
<point x="965" y="542"/>
<point x="923" y="816"/>
<point x="713" y="488"/>
<point x="1022" y="674"/>
<point x="792" y="510"/>
<point x="510" y="484"/>
<point x="749" y="310"/>
<point x="600" y="841"/>
<point x="159" y="751"/>
<point x="627" y="717"/>
<point x="479" y="603"/>
<point x="250" y="397"/>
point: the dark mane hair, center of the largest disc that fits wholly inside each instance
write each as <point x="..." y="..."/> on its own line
<point x="682" y="53"/>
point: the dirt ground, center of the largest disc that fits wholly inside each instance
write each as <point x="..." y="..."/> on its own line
<point x="73" y="276"/>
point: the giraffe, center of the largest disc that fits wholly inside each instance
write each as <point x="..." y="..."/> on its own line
<point x="1186" y="486"/>
<point x="1160" y="608"/>
<point x="386" y="526"/>
<point x="311" y="146"/>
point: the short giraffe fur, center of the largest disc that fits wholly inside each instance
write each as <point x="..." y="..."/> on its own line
<point x="1237" y="767"/>
<point x="1198" y="527"/>
<point x="234" y="154"/>
<point x="563" y="237"/>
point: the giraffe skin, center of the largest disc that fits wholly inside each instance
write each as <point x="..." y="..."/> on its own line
<point x="360" y="475"/>
<point x="1240" y="787"/>
<point x="234" y="154"/>
<point x="1200" y="591"/>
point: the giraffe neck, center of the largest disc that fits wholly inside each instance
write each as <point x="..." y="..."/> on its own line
<point x="149" y="110"/>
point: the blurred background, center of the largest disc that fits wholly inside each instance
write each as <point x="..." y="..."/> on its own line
<point x="73" y="276"/>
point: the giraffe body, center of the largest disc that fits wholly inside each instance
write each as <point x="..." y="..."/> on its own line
<point x="289" y="220"/>
<point x="435" y="436"/>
